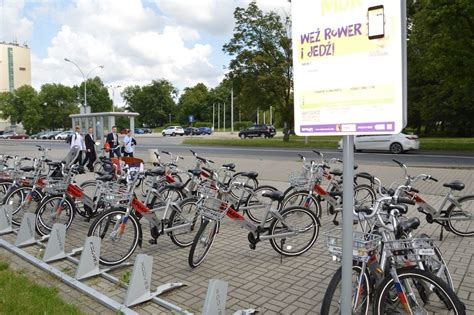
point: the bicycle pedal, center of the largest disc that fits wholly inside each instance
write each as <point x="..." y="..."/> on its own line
<point x="152" y="241"/>
<point x="252" y="246"/>
<point x="87" y="219"/>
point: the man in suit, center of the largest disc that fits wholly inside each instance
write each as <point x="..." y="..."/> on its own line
<point x="90" y="150"/>
<point x="113" y="141"/>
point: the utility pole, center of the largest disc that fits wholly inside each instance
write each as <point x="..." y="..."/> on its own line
<point x="258" y="110"/>
<point x="213" y="116"/>
<point x="218" y="117"/>
<point x="232" y="110"/>
<point x="223" y="116"/>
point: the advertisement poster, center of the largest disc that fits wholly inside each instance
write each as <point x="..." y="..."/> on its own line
<point x="349" y="59"/>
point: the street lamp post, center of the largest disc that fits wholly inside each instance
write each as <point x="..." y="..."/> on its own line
<point x="85" y="77"/>
<point x="113" y="87"/>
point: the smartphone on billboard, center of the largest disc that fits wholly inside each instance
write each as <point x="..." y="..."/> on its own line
<point x="376" y="22"/>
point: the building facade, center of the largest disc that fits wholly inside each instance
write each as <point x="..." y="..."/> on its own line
<point x="15" y="66"/>
<point x="15" y="71"/>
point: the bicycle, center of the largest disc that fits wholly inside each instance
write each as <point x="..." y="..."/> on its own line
<point x="391" y="229"/>
<point x="309" y="193"/>
<point x="459" y="210"/>
<point x="120" y="229"/>
<point x="213" y="208"/>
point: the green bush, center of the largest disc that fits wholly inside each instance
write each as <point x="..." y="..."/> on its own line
<point x="198" y="124"/>
<point x="239" y="125"/>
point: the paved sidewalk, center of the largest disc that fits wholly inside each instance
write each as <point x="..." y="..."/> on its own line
<point x="260" y="278"/>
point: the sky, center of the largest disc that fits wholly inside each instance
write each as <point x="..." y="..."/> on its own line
<point x="136" y="41"/>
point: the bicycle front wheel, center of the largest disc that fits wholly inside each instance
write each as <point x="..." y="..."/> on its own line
<point x="54" y="209"/>
<point x="424" y="294"/>
<point x="202" y="242"/>
<point x="364" y="196"/>
<point x="360" y="293"/>
<point x="185" y="214"/>
<point x="303" y="199"/>
<point x="295" y="232"/>
<point x="461" y="219"/>
<point x="436" y="264"/>
<point x="23" y="200"/>
<point x="119" y="235"/>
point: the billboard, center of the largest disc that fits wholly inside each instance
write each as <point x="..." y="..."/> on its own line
<point x="349" y="66"/>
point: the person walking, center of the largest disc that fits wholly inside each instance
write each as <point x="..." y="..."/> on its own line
<point x="129" y="144"/>
<point x="113" y="141"/>
<point x="78" y="140"/>
<point x="90" y="150"/>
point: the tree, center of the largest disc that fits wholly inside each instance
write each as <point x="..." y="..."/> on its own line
<point x="195" y="101"/>
<point x="58" y="102"/>
<point x="97" y="95"/>
<point x="154" y="102"/>
<point x="22" y="106"/>
<point x="440" y="63"/>
<point x="261" y="70"/>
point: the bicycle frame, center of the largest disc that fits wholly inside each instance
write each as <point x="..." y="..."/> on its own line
<point x="436" y="214"/>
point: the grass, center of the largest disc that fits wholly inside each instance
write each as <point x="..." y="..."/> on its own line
<point x="330" y="142"/>
<point x="19" y="295"/>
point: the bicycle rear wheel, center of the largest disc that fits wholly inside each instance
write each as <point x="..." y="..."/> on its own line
<point x="185" y="213"/>
<point x="425" y="294"/>
<point x="461" y="219"/>
<point x="119" y="235"/>
<point x="202" y="242"/>
<point x="237" y="192"/>
<point x="256" y="204"/>
<point x="294" y="219"/>
<point x="360" y="293"/>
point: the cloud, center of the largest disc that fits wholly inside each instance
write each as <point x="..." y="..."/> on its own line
<point x="137" y="41"/>
<point x="13" y="26"/>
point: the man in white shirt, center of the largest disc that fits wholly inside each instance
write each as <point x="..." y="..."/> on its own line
<point x="78" y="140"/>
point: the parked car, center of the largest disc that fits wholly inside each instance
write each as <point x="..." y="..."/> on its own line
<point x="262" y="130"/>
<point x="147" y="130"/>
<point x="173" y="131"/>
<point x="50" y="135"/>
<point x="63" y="135"/>
<point x="396" y="144"/>
<point x="14" y="135"/>
<point x="205" y="130"/>
<point x="192" y="131"/>
<point x="38" y="135"/>
<point x="139" y="131"/>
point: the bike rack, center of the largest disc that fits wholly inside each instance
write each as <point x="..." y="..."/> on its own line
<point x="138" y="291"/>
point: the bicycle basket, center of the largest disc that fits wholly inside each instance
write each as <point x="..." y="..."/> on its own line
<point x="55" y="186"/>
<point x="208" y="188"/>
<point x="213" y="208"/>
<point x="116" y="193"/>
<point x="412" y="249"/>
<point x="302" y="180"/>
<point x="363" y="244"/>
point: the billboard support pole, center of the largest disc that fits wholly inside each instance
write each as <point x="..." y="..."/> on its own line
<point x="347" y="222"/>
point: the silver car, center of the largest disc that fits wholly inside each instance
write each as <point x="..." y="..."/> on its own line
<point x="396" y="144"/>
<point x="173" y="131"/>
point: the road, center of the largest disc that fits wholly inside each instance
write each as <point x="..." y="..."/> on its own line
<point x="146" y="143"/>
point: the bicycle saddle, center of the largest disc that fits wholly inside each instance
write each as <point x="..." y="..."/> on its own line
<point x="229" y="166"/>
<point x="27" y="168"/>
<point x="195" y="171"/>
<point x="336" y="172"/>
<point x="105" y="178"/>
<point x="177" y="185"/>
<point x="456" y="185"/>
<point x="365" y="175"/>
<point x="159" y="171"/>
<point x="274" y="195"/>
<point x="406" y="226"/>
<point x="251" y="175"/>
